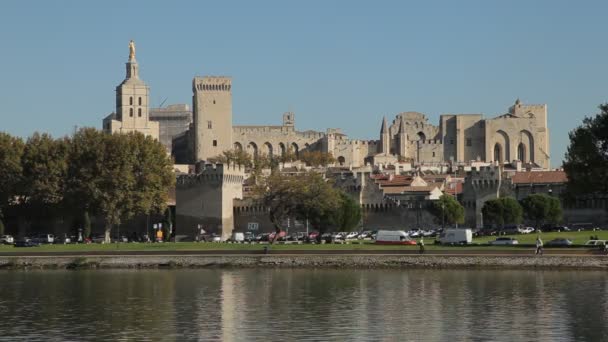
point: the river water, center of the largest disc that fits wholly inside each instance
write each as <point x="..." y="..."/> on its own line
<point x="303" y="305"/>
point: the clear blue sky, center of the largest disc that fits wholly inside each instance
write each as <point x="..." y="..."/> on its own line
<point x="335" y="63"/>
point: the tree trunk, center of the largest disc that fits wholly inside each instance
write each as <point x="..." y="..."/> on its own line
<point x="108" y="230"/>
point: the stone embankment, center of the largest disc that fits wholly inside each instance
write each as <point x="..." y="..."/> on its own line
<point x="305" y="261"/>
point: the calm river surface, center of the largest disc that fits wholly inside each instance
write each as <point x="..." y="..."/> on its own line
<point x="303" y="305"/>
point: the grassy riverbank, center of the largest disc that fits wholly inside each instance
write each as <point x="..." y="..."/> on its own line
<point x="480" y="244"/>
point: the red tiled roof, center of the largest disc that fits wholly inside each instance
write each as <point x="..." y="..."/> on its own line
<point x="454" y="188"/>
<point x="539" y="177"/>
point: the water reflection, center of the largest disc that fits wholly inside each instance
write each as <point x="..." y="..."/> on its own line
<point x="303" y="305"/>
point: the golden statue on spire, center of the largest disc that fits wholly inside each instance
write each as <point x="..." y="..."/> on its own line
<point x="131" y="49"/>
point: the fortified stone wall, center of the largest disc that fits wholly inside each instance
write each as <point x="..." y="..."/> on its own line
<point x="207" y="198"/>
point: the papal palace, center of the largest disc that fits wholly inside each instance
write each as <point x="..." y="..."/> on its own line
<point x="519" y="134"/>
<point x="394" y="178"/>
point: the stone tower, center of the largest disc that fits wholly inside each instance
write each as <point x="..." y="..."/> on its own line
<point x="385" y="138"/>
<point x="132" y="104"/>
<point x="289" y="119"/>
<point x="207" y="198"/>
<point x="212" y="104"/>
<point x="402" y="138"/>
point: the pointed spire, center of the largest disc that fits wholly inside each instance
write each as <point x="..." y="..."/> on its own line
<point x="383" y="129"/>
<point x="401" y="126"/>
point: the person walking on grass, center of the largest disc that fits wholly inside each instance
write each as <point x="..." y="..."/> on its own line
<point x="421" y="243"/>
<point x="539" y="245"/>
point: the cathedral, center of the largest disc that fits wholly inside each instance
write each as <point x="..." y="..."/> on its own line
<point x="520" y="134"/>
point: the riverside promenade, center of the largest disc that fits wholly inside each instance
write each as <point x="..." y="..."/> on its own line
<point x="522" y="258"/>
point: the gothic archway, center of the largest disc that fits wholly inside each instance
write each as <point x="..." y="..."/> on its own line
<point x="238" y="146"/>
<point x="498" y="153"/>
<point x="268" y="149"/>
<point x="295" y="149"/>
<point x="521" y="152"/>
<point x="341" y="160"/>
<point x="252" y="149"/>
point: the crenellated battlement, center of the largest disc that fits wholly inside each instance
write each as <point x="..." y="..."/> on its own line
<point x="213" y="173"/>
<point x="212" y="83"/>
<point x="426" y="142"/>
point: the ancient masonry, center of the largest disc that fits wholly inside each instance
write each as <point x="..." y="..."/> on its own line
<point x="132" y="104"/>
<point x="206" y="198"/>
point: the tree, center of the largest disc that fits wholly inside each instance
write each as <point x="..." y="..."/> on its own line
<point x="492" y="212"/>
<point x="502" y="210"/>
<point x="118" y="176"/>
<point x="305" y="197"/>
<point x="541" y="208"/>
<point x="586" y="162"/>
<point x="316" y="158"/>
<point x="447" y="210"/>
<point x="236" y="156"/>
<point x="1" y="227"/>
<point x="11" y="150"/>
<point x="86" y="225"/>
<point x="348" y="215"/>
<point x="167" y="224"/>
<point x="512" y="211"/>
<point x="42" y="186"/>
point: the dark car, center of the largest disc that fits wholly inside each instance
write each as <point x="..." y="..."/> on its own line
<point x="25" y="243"/>
<point x="560" y="242"/>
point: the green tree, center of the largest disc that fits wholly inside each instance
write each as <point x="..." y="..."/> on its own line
<point x="348" y="214"/>
<point x="44" y="164"/>
<point x="316" y="158"/>
<point x="118" y="176"/>
<point x="236" y="156"/>
<point x="86" y="225"/>
<point x="493" y="212"/>
<point x="541" y="208"/>
<point x="305" y="197"/>
<point x="447" y="210"/>
<point x="586" y="159"/>
<point x="502" y="210"/>
<point x="512" y="210"/>
<point x="11" y="150"/>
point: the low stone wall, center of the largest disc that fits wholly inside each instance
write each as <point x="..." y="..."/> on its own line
<point x="304" y="261"/>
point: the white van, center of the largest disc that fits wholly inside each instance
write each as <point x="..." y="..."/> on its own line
<point x="456" y="236"/>
<point x="238" y="237"/>
<point x="393" y="237"/>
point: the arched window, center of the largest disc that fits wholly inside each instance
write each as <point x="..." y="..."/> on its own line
<point x="140" y="100"/>
<point x="139" y="112"/>
<point x="497" y="153"/>
<point x="131" y="112"/>
<point x="131" y="100"/>
<point x="521" y="152"/>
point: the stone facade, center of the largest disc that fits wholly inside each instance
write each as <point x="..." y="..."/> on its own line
<point x="521" y="134"/>
<point x="132" y="105"/>
<point x="212" y="103"/>
<point x="206" y="198"/>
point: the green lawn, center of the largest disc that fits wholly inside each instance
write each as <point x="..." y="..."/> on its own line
<point x="576" y="237"/>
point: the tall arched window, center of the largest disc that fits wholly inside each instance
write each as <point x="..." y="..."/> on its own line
<point x="498" y="153"/>
<point x="140" y="100"/>
<point x="131" y="112"/>
<point x="130" y="100"/>
<point x="521" y="152"/>
<point x="139" y="112"/>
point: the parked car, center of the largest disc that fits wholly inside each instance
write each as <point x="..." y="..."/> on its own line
<point x="366" y="234"/>
<point x="312" y="236"/>
<point x="281" y="237"/>
<point x="7" y="239"/>
<point x="504" y="241"/>
<point x="596" y="243"/>
<point x="43" y="238"/>
<point x="415" y="232"/>
<point x="551" y="228"/>
<point x="98" y="239"/>
<point x="352" y="235"/>
<point x="26" y="242"/>
<point x="528" y="230"/>
<point x="327" y="237"/>
<point x="559" y="242"/>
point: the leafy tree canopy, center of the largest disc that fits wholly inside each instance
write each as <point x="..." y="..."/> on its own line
<point x="586" y="161"/>
<point x="541" y="208"/>
<point x="448" y="210"/>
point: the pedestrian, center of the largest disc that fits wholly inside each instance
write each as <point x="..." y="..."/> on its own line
<point x="539" y="245"/>
<point x="421" y="244"/>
